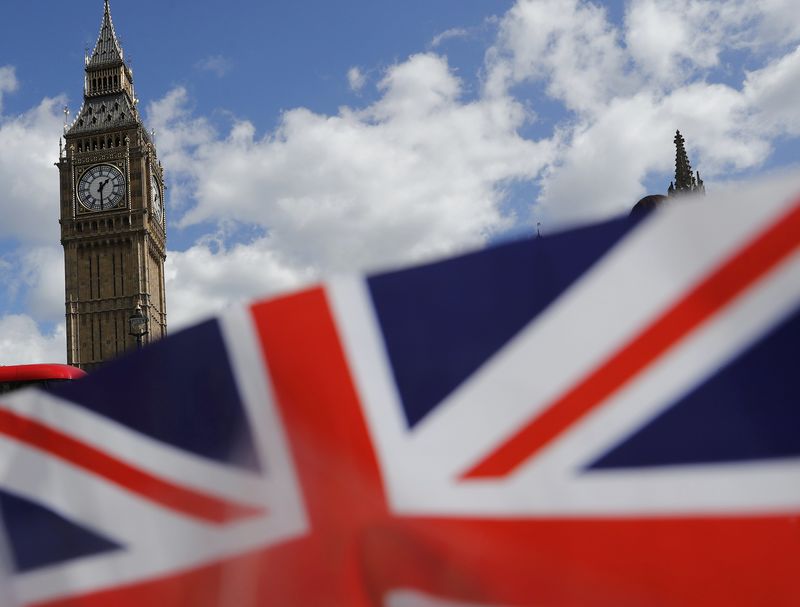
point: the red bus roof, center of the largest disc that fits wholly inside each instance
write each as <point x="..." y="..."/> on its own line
<point x="40" y="372"/>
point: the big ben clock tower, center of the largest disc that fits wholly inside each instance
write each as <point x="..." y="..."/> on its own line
<point x="113" y="227"/>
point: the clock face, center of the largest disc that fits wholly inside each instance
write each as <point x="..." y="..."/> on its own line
<point x="101" y="188"/>
<point x="155" y="199"/>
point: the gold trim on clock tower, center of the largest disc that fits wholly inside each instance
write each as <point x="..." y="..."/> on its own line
<point x="113" y="224"/>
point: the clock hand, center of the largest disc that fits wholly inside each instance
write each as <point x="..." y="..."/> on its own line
<point x="100" y="188"/>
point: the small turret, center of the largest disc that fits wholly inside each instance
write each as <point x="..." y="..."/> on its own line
<point x="685" y="182"/>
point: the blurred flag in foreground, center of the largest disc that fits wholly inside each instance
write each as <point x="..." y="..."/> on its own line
<point x="606" y="416"/>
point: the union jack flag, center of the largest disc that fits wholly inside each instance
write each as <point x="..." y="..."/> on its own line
<point x="605" y="416"/>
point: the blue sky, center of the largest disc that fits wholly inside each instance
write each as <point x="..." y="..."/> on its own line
<point x="304" y="139"/>
<point x="246" y="58"/>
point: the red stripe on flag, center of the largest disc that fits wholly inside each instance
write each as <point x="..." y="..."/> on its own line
<point x="331" y="447"/>
<point x="186" y="501"/>
<point x="707" y="298"/>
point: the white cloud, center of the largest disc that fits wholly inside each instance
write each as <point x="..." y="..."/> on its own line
<point x="671" y="39"/>
<point x="8" y="82"/>
<point x="356" y="79"/>
<point x="22" y="342"/>
<point x="42" y="269"/>
<point x="206" y="278"/>
<point x="34" y="276"/>
<point x="778" y="22"/>
<point x="628" y="87"/>
<point x="416" y="174"/>
<point x="454" y="32"/>
<point x="421" y="172"/>
<point x="567" y="44"/>
<point x="28" y="149"/>
<point x="216" y="64"/>
<point x="179" y="135"/>
<point x="774" y="94"/>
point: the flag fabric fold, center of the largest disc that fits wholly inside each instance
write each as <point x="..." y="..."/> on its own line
<point x="605" y="416"/>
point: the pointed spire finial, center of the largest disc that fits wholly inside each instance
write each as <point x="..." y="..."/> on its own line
<point x="107" y="49"/>
<point x="685" y="181"/>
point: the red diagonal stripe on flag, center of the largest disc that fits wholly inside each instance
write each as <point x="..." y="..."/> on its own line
<point x="175" y="497"/>
<point x="713" y="293"/>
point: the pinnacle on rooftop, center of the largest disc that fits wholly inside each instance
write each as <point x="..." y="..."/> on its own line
<point x="685" y="181"/>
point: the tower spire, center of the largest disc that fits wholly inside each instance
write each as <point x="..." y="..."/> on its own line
<point x="109" y="98"/>
<point x="107" y="49"/>
<point x="685" y="181"/>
